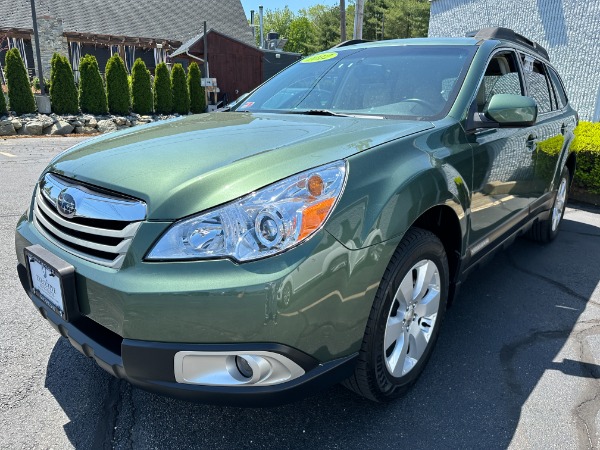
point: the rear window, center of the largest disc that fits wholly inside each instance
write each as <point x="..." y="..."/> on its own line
<point x="558" y="88"/>
<point x="538" y="84"/>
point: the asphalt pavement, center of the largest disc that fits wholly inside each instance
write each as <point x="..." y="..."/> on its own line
<point x="517" y="363"/>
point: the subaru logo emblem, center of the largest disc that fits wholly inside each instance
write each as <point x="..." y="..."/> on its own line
<point x="65" y="204"/>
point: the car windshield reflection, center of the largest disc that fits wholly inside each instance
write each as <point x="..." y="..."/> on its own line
<point x="393" y="82"/>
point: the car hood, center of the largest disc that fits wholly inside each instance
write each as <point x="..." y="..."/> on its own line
<point x="186" y="165"/>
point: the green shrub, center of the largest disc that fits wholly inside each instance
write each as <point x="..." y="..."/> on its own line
<point x="587" y="147"/>
<point x="20" y="96"/>
<point x="141" y="89"/>
<point x="181" y="95"/>
<point x="92" y="96"/>
<point x="35" y="84"/>
<point x="163" y="96"/>
<point x="117" y="87"/>
<point x="197" y="98"/>
<point x="63" y="93"/>
<point x="3" y="110"/>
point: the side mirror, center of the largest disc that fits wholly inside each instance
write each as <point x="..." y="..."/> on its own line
<point x="506" y="111"/>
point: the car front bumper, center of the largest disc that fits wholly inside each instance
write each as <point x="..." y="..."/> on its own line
<point x="150" y="365"/>
<point x="133" y="321"/>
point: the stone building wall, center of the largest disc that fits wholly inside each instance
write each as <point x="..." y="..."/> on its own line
<point x="50" y="31"/>
<point x="568" y="29"/>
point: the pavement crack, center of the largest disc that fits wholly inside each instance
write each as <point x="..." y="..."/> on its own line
<point x="564" y="288"/>
<point x="509" y="352"/>
<point x="587" y="409"/>
<point x="105" y="429"/>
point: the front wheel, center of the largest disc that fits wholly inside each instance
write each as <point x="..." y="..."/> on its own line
<point x="546" y="230"/>
<point x="405" y="318"/>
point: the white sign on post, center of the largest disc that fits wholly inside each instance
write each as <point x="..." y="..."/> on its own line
<point x="208" y="82"/>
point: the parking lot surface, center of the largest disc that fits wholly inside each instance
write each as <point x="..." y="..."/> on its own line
<point x="517" y="363"/>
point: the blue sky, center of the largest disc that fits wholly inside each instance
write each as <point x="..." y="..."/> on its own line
<point x="294" y="5"/>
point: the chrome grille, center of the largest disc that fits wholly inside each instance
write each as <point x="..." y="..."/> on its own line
<point x="94" y="225"/>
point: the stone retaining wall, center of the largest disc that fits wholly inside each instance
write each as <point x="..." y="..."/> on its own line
<point x="53" y="124"/>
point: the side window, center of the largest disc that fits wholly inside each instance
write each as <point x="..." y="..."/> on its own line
<point x="538" y="85"/>
<point x="558" y="88"/>
<point x="501" y="77"/>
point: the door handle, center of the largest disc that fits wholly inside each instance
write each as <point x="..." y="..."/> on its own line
<point x="531" y="142"/>
<point x="563" y="129"/>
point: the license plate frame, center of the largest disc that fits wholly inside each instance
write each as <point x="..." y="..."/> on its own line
<point x="52" y="280"/>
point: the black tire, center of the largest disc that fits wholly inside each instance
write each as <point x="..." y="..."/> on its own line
<point x="545" y="231"/>
<point x="286" y="295"/>
<point x="372" y="377"/>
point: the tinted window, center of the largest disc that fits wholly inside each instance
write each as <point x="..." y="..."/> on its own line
<point x="404" y="81"/>
<point x="501" y="77"/>
<point x="537" y="84"/>
<point x="558" y="88"/>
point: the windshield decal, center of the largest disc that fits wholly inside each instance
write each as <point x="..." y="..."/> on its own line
<point x="319" y="57"/>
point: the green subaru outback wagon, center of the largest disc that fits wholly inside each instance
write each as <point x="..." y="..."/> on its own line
<point x="314" y="234"/>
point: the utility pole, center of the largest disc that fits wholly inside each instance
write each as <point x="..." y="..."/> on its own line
<point x="205" y="55"/>
<point x="342" y="20"/>
<point x="358" y="19"/>
<point x="37" y="48"/>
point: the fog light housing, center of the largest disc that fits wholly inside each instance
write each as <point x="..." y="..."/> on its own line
<point x="259" y="368"/>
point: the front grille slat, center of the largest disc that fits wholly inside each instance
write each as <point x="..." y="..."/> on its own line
<point x="126" y="232"/>
<point x="103" y="238"/>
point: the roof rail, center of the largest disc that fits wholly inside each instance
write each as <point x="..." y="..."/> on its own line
<point x="350" y="42"/>
<point x="508" y="35"/>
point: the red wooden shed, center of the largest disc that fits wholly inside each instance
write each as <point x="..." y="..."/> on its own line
<point x="236" y="65"/>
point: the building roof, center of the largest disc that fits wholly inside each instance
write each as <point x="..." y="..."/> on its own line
<point x="197" y="41"/>
<point x="196" y="44"/>
<point x="156" y="19"/>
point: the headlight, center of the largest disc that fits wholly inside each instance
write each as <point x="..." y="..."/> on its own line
<point x="263" y="223"/>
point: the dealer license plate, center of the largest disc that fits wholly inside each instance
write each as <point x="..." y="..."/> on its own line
<point x="46" y="284"/>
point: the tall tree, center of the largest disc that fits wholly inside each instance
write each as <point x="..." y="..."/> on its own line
<point x="20" y="96"/>
<point x="403" y="19"/>
<point x="163" y="95"/>
<point x="181" y="94"/>
<point x="197" y="97"/>
<point x="141" y="88"/>
<point x="92" y="96"/>
<point x="63" y="93"/>
<point x="117" y="86"/>
<point x="301" y="37"/>
<point x="325" y="20"/>
<point x="277" y="20"/>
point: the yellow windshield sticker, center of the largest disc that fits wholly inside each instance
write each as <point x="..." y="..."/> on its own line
<point x="319" y="57"/>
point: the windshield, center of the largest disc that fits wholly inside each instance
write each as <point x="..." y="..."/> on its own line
<point x="407" y="82"/>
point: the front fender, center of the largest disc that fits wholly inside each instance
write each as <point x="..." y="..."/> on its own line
<point x="389" y="187"/>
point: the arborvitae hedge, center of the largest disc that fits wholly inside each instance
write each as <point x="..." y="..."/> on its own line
<point x="587" y="146"/>
<point x="63" y="93"/>
<point x="2" y="103"/>
<point x="163" y="96"/>
<point x="117" y="86"/>
<point x="20" y="96"/>
<point x="92" y="96"/>
<point x="181" y="95"/>
<point x="141" y="89"/>
<point x="197" y="98"/>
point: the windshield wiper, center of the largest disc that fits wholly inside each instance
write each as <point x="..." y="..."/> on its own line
<point x="319" y="112"/>
<point x="327" y="112"/>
